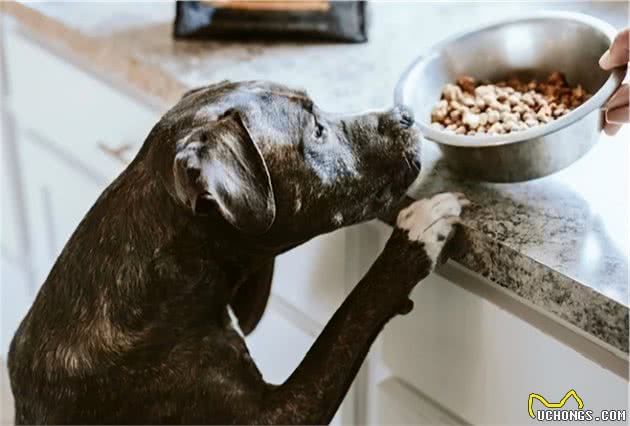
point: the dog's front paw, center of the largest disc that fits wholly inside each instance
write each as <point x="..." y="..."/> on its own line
<point x="431" y="221"/>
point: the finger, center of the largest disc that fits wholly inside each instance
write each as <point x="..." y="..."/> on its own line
<point x="619" y="98"/>
<point x="618" y="115"/>
<point x="612" y="129"/>
<point x="618" y="53"/>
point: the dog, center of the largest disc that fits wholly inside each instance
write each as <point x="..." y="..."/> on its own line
<point x="132" y="325"/>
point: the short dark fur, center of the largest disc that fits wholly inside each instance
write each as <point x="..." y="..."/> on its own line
<point x="131" y="325"/>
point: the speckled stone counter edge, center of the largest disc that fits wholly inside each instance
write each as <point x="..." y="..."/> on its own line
<point x="579" y="305"/>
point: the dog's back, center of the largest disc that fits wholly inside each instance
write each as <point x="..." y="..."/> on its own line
<point x="80" y="337"/>
<point x="122" y="332"/>
<point x="58" y="353"/>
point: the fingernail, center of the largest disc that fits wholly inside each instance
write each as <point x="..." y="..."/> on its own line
<point x="617" y="115"/>
<point x="604" y="61"/>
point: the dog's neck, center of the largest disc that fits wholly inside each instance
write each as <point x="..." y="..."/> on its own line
<point x="194" y="248"/>
<point x="156" y="266"/>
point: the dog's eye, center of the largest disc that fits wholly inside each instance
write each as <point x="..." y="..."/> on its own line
<point x="320" y="130"/>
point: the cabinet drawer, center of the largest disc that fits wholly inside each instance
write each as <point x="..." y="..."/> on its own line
<point x="481" y="362"/>
<point x="312" y="277"/>
<point x="79" y="113"/>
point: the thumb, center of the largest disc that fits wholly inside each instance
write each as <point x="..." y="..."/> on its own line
<point x="618" y="53"/>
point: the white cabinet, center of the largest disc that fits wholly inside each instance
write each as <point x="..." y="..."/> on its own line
<point x="72" y="136"/>
<point x="468" y="360"/>
<point x="482" y="362"/>
<point x="312" y="276"/>
<point x="401" y="404"/>
<point x="97" y="126"/>
<point x="58" y="196"/>
<point x="278" y="346"/>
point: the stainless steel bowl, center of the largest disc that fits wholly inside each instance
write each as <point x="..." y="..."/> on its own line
<point x="530" y="47"/>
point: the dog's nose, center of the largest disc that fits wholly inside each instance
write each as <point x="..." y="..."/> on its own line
<point x="406" y="116"/>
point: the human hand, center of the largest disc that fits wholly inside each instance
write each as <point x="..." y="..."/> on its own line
<point x="617" y="106"/>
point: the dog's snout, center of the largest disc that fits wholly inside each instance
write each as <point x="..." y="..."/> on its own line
<point x="404" y="115"/>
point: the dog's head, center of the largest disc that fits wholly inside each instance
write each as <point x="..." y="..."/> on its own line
<point x="267" y="160"/>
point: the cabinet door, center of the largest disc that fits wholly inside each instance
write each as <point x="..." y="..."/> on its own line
<point x="57" y="198"/>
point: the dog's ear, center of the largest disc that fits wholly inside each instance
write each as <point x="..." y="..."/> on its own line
<point x="221" y="168"/>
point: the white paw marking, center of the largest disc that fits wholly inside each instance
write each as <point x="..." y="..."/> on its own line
<point x="431" y="221"/>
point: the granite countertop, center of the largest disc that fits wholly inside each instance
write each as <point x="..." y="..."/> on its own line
<point x="560" y="242"/>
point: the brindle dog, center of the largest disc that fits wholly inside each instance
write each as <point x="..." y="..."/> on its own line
<point x="132" y="323"/>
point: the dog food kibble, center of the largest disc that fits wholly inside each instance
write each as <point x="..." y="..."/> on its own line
<point x="471" y="108"/>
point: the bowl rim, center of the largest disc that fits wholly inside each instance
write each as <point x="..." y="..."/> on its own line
<point x="596" y="101"/>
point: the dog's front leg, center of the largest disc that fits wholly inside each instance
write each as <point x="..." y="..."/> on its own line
<point x="314" y="391"/>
